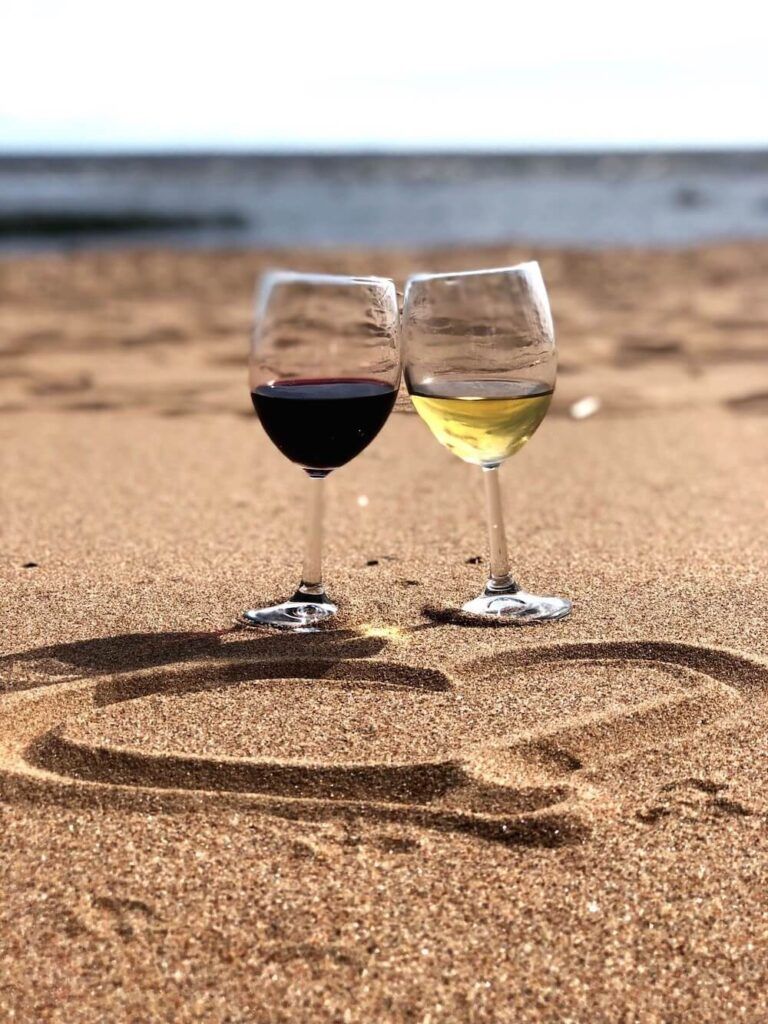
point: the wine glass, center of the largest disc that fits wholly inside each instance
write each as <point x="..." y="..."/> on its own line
<point x="480" y="366"/>
<point x="324" y="374"/>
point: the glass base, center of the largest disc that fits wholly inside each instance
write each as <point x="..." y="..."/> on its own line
<point x="517" y="606"/>
<point x="304" y="613"/>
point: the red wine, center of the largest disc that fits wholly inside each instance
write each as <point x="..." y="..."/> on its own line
<point x="322" y="424"/>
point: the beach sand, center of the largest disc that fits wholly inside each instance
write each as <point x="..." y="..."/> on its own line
<point x="405" y="818"/>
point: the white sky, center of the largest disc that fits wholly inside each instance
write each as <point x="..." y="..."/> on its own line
<point x="416" y="74"/>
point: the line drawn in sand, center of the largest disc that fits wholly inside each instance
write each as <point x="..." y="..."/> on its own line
<point x="520" y="788"/>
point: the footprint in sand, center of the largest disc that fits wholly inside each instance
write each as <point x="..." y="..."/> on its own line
<point x="197" y="722"/>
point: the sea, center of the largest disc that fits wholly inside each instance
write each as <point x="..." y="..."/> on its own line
<point x="61" y="203"/>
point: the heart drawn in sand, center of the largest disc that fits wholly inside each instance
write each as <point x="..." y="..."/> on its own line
<point x="471" y="749"/>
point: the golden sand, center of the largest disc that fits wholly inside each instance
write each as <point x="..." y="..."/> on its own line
<point x="404" y="818"/>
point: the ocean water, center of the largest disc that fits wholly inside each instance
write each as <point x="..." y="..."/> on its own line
<point x="62" y="203"/>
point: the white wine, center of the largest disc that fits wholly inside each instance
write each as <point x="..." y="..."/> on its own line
<point x="482" y="421"/>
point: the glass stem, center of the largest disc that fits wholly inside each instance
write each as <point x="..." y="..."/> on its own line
<point x="312" y="573"/>
<point x="500" y="577"/>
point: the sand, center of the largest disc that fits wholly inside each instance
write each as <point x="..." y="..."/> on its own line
<point x="405" y="818"/>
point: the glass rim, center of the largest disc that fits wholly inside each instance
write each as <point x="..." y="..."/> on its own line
<point x="516" y="268"/>
<point x="271" y="276"/>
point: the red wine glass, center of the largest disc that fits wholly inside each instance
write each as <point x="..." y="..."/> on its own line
<point x="324" y="375"/>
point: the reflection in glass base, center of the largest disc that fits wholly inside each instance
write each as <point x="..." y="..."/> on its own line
<point x="517" y="606"/>
<point x="304" y="613"/>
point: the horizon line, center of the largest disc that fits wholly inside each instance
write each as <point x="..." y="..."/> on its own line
<point x="380" y="151"/>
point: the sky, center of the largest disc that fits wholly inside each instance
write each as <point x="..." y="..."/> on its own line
<point x="564" y="74"/>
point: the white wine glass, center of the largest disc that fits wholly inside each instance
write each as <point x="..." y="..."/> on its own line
<point x="480" y="366"/>
<point x="324" y="374"/>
